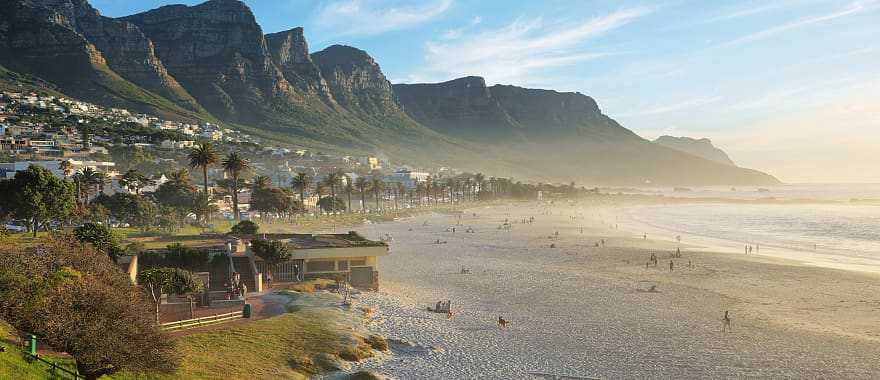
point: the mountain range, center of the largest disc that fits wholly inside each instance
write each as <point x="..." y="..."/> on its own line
<point x="213" y="62"/>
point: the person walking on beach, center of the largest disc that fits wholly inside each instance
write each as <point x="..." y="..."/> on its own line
<point x="747" y="250"/>
<point x="725" y="322"/>
<point x="671" y="265"/>
<point x="645" y="236"/>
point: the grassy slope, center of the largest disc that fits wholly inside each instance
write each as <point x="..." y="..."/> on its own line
<point x="296" y="345"/>
<point x="13" y="365"/>
<point x="311" y="339"/>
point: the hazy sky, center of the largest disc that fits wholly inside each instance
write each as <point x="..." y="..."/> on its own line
<point x="790" y="87"/>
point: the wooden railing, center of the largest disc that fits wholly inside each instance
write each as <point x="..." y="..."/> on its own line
<point x="203" y="321"/>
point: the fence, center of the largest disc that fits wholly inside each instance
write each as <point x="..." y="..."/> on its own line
<point x="30" y="344"/>
<point x="203" y="321"/>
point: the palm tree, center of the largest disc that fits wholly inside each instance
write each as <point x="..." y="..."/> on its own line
<point x="234" y="164"/>
<point x="401" y="189"/>
<point x="333" y="180"/>
<point x="203" y="156"/>
<point x="420" y="189"/>
<point x="450" y="187"/>
<point x="301" y="183"/>
<point x="361" y="183"/>
<point x="377" y="186"/>
<point x="349" y="187"/>
<point x="261" y="182"/>
<point x="480" y="181"/>
<point x="89" y="179"/>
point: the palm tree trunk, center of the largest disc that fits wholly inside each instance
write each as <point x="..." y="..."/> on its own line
<point x="235" y="198"/>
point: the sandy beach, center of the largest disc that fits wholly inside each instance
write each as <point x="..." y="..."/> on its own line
<point x="577" y="310"/>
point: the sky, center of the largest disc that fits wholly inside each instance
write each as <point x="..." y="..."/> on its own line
<point x="788" y="87"/>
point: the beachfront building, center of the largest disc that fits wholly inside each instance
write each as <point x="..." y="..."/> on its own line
<point x="350" y="257"/>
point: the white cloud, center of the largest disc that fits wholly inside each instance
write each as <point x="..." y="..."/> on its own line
<point x="514" y="51"/>
<point x="371" y="17"/>
<point x="681" y="105"/>
<point x="452" y="34"/>
<point x="852" y="9"/>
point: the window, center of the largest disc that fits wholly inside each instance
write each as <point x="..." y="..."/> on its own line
<point x="320" y="266"/>
<point x="358" y="263"/>
<point x="342" y="264"/>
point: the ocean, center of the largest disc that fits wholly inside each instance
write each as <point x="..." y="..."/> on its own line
<point x="816" y="229"/>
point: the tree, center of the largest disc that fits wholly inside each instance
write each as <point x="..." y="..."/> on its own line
<point x="129" y="208"/>
<point x="301" y="183"/>
<point x="333" y="180"/>
<point x="331" y="204"/>
<point x="133" y="180"/>
<point x="234" y="165"/>
<point x="273" y="252"/>
<point x="203" y="207"/>
<point x="178" y="193"/>
<point x="169" y="281"/>
<point x="349" y="187"/>
<point x="203" y="156"/>
<point x="91" y="181"/>
<point x="98" y="235"/>
<point x="245" y="227"/>
<point x="37" y="196"/>
<point x="377" y="186"/>
<point x="46" y="289"/>
<point x="181" y="256"/>
<point x="362" y="184"/>
<point x="66" y="167"/>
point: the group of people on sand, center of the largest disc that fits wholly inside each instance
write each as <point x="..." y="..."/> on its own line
<point x="749" y="248"/>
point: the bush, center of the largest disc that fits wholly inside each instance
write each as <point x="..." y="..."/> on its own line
<point x="181" y="256"/>
<point x="245" y="227"/>
<point x="77" y="301"/>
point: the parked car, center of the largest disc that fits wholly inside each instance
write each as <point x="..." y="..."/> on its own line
<point x="14" y="228"/>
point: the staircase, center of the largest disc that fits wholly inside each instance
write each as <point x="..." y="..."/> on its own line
<point x="242" y="265"/>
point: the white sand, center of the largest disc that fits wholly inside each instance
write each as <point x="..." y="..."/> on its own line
<point x="575" y="310"/>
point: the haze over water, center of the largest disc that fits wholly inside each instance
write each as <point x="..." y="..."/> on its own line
<point x="824" y="224"/>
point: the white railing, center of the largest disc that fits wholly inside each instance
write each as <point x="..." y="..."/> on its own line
<point x="203" y="321"/>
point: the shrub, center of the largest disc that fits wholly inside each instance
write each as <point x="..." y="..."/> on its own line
<point x="245" y="227"/>
<point x="77" y="301"/>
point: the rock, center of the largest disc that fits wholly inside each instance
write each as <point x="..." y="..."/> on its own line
<point x="357" y="81"/>
<point x="290" y="52"/>
<point x="217" y="51"/>
<point x="50" y="39"/>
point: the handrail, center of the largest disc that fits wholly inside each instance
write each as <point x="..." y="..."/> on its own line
<point x="203" y="321"/>
<point x="56" y="366"/>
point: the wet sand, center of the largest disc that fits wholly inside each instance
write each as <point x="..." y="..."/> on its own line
<point x="577" y="309"/>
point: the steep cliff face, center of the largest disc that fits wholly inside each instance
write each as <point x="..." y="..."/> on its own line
<point x="466" y="107"/>
<point x="290" y="52"/>
<point x="217" y="51"/>
<point x="562" y="134"/>
<point x="356" y="81"/>
<point x="127" y="51"/>
<point x="463" y="107"/>
<point x="697" y="147"/>
<point x="43" y="39"/>
<point x="548" y="114"/>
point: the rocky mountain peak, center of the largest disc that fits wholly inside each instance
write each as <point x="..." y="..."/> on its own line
<point x="356" y="80"/>
<point x="290" y="52"/>
<point x="218" y="52"/>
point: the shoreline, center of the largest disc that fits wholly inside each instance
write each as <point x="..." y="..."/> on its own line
<point x="575" y="309"/>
